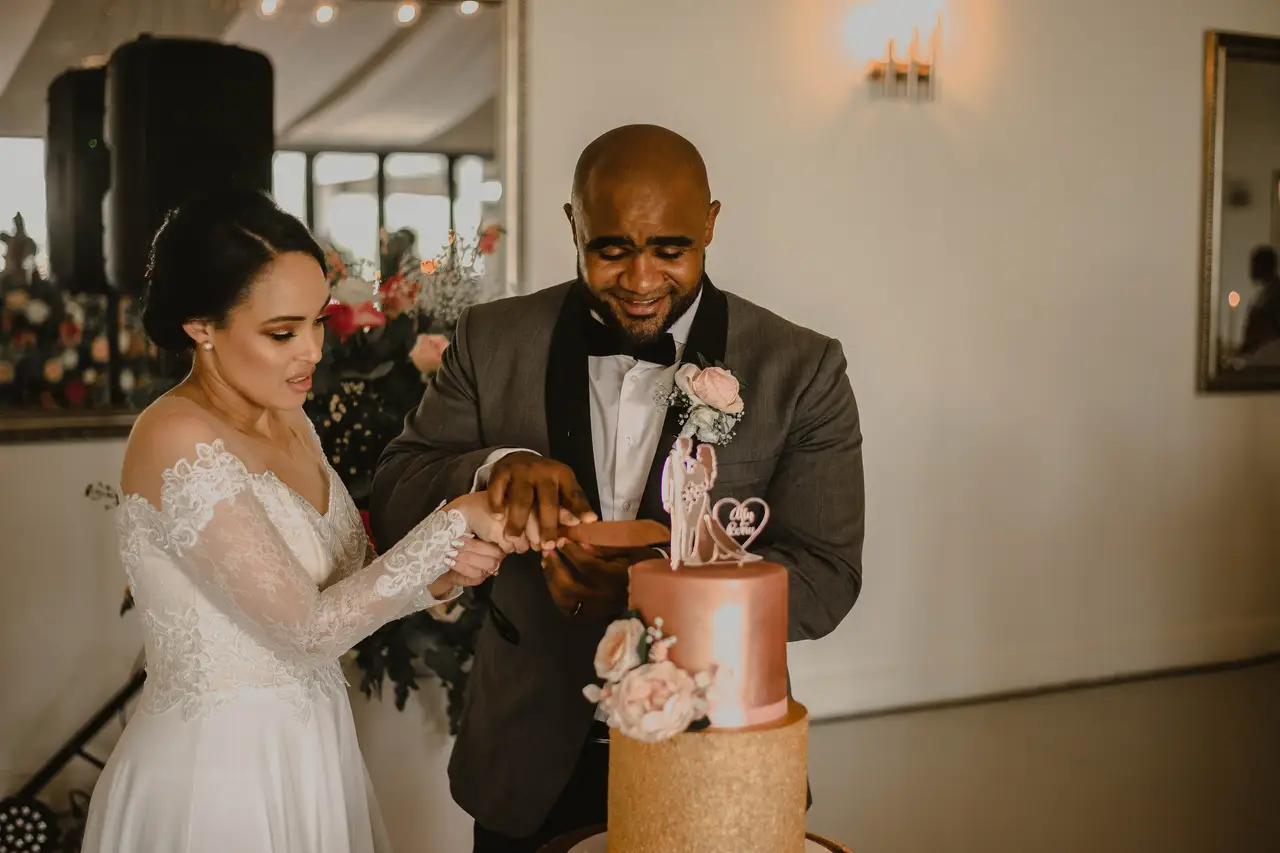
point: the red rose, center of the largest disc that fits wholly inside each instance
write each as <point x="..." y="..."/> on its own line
<point x="75" y="392"/>
<point x="341" y="320"/>
<point x="345" y="320"/>
<point x="368" y="529"/>
<point x="69" y="333"/>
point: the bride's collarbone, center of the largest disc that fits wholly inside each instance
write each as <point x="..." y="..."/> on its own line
<point x="297" y="467"/>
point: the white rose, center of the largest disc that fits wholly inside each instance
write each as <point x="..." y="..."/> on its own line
<point x="37" y="312"/>
<point x="353" y="291"/>
<point x="619" y="649"/>
<point x="70" y="359"/>
<point x="702" y="422"/>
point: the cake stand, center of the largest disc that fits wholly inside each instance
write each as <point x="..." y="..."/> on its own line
<point x="592" y="840"/>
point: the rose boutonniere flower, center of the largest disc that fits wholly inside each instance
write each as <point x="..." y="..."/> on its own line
<point x="711" y="398"/>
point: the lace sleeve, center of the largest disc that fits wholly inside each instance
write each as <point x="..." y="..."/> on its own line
<point x="224" y="539"/>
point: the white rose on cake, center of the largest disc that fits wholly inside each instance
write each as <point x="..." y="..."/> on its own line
<point x="653" y="702"/>
<point x="619" y="649"/>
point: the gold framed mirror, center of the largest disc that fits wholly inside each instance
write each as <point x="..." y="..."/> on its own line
<point x="1240" y="215"/>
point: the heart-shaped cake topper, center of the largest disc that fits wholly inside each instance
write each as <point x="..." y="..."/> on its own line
<point x="744" y="521"/>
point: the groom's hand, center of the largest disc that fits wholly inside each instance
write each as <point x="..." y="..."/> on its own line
<point x="524" y="484"/>
<point x="591" y="582"/>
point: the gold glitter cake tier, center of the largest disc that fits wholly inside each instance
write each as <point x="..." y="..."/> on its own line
<point x="713" y="791"/>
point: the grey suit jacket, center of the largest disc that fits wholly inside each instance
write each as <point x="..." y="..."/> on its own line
<point x="516" y="376"/>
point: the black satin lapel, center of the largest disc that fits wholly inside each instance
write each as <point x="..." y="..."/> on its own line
<point x="709" y="338"/>
<point x="568" y="398"/>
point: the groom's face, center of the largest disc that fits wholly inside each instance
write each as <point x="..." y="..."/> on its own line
<point x="641" y="249"/>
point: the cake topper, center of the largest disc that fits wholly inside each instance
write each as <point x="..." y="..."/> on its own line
<point x="703" y="533"/>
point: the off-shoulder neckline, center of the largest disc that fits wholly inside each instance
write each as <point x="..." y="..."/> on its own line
<point x="216" y="450"/>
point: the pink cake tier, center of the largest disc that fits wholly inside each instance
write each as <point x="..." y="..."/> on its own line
<point x="728" y="615"/>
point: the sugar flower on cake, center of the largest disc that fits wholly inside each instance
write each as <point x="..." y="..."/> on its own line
<point x="619" y="651"/>
<point x="711" y="398"/>
<point x="645" y="695"/>
<point x="655" y="701"/>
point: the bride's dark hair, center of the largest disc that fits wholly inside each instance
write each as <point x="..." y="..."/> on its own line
<point x="206" y="256"/>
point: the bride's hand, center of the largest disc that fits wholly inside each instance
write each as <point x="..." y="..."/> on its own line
<point x="475" y="509"/>
<point x="471" y="563"/>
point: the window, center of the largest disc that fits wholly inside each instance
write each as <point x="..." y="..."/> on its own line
<point x="22" y="191"/>
<point x="289" y="182"/>
<point x="345" y="188"/>
<point x="418" y="194"/>
<point x="60" y="351"/>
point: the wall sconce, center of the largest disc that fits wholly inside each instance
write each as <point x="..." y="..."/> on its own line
<point x="916" y="78"/>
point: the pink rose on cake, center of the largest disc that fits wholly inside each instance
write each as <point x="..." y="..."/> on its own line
<point x="619" y="650"/>
<point x="653" y="702"/>
<point x="710" y="386"/>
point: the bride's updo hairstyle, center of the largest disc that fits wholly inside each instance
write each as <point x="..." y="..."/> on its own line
<point x="207" y="255"/>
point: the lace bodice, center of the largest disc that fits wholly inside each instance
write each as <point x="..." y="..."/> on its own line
<point x="241" y="585"/>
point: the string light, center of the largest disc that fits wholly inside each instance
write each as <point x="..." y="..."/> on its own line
<point x="407" y="12"/>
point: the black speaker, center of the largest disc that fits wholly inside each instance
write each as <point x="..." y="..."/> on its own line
<point x="184" y="117"/>
<point x="77" y="170"/>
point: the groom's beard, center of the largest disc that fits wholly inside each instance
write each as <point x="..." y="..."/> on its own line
<point x="642" y="332"/>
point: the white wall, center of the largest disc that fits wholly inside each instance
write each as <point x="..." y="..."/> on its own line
<point x="1012" y="272"/>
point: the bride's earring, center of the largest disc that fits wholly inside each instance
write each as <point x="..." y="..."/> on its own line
<point x="207" y="346"/>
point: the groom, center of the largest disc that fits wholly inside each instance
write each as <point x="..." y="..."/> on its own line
<point x="553" y="399"/>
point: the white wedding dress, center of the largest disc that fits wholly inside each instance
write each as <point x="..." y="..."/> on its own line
<point x="243" y="739"/>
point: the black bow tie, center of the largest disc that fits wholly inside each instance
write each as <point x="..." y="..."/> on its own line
<point x="603" y="341"/>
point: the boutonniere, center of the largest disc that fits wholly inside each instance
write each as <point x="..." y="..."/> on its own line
<point x="710" y="396"/>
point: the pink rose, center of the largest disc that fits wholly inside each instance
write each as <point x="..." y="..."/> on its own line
<point x="428" y="352"/>
<point x="619" y="649"/>
<point x="711" y="386"/>
<point x="653" y="702"/>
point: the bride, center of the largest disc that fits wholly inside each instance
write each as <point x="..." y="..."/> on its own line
<point x="249" y="563"/>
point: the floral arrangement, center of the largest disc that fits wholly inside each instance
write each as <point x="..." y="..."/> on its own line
<point x="54" y="346"/>
<point x="645" y="695"/>
<point x="709" y="395"/>
<point x="389" y="326"/>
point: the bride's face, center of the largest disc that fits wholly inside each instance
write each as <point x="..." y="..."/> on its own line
<point x="270" y="343"/>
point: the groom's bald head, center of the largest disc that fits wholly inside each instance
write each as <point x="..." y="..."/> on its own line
<point x="641" y="153"/>
<point x="642" y="218"/>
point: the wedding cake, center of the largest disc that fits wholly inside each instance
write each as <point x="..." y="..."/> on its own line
<point x="707" y="753"/>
